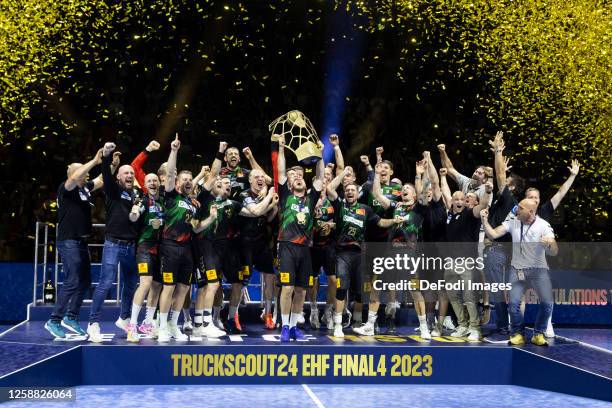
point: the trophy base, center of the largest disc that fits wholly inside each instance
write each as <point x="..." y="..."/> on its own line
<point x="309" y="161"/>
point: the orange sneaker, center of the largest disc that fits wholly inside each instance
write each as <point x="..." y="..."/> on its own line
<point x="269" y="322"/>
<point x="237" y="322"/>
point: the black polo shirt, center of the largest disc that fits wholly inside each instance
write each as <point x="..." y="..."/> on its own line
<point x="74" y="212"/>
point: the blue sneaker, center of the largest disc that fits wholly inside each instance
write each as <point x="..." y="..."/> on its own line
<point x="296" y="334"/>
<point x="55" y="329"/>
<point x="73" y="325"/>
<point x="285" y="336"/>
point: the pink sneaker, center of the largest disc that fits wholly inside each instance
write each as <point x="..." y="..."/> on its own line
<point x="132" y="333"/>
<point x="146" y="328"/>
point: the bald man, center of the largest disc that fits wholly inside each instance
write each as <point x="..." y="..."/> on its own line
<point x="73" y="229"/>
<point x="119" y="244"/>
<point x="532" y="239"/>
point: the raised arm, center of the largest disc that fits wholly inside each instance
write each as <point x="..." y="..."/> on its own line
<point x="556" y="199"/>
<point x="281" y="163"/>
<point x="446" y="163"/>
<point x="79" y="173"/>
<point x="387" y="222"/>
<point x="379" y="152"/>
<point x="272" y="208"/>
<point x="317" y="183"/>
<point x="484" y="201"/>
<point x="140" y="160"/>
<point x="418" y="181"/>
<point x="366" y="163"/>
<point x="377" y="190"/>
<point x="204" y="172"/>
<point x="339" y="158"/>
<point x="171" y="177"/>
<point x="490" y="232"/>
<point x="497" y="146"/>
<point x="433" y="176"/>
<point x="215" y="169"/>
<point x="444" y="189"/>
<point x="254" y="165"/>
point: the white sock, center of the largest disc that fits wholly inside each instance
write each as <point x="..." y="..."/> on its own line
<point x="187" y="315"/>
<point x="372" y="317"/>
<point x="197" y="319"/>
<point x="231" y="312"/>
<point x="328" y="307"/>
<point x="337" y="318"/>
<point x="422" y="320"/>
<point x="150" y="313"/>
<point x="135" y="312"/>
<point x="293" y="319"/>
<point x="207" y="316"/>
<point x="268" y="308"/>
<point x="175" y="316"/>
<point x="285" y="318"/>
<point x="357" y="317"/>
<point x="313" y="305"/>
<point x="163" y="320"/>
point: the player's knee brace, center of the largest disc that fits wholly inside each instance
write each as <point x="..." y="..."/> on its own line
<point x="341" y="294"/>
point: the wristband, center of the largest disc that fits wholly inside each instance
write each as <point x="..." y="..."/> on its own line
<point x="220" y="156"/>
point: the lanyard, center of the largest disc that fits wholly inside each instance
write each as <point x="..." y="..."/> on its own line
<point x="523" y="236"/>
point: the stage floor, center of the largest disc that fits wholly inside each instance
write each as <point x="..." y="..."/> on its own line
<point x="319" y="396"/>
<point x="29" y="342"/>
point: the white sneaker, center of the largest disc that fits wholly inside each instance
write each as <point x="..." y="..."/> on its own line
<point x="424" y="332"/>
<point x="163" y="335"/>
<point x="212" y="331"/>
<point x="155" y="331"/>
<point x="187" y="326"/>
<point x="365" y="330"/>
<point x="550" y="332"/>
<point x="197" y="331"/>
<point x="435" y="332"/>
<point x="301" y="319"/>
<point x="122" y="324"/>
<point x="474" y="336"/>
<point x="176" y="333"/>
<point x="93" y="331"/>
<point x="460" y="332"/>
<point x="448" y="323"/>
<point x="314" y="318"/>
<point x="219" y="325"/>
<point x="338" y="331"/>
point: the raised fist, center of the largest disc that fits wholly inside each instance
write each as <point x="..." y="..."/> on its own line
<point x="116" y="159"/>
<point x="152" y="146"/>
<point x="98" y="157"/>
<point x="380" y="150"/>
<point x="334" y="140"/>
<point x="488" y="187"/>
<point x="247" y="152"/>
<point x="365" y="160"/>
<point x="442" y="147"/>
<point x="443" y="172"/>
<point x="108" y="148"/>
<point x="484" y="213"/>
<point x="222" y="147"/>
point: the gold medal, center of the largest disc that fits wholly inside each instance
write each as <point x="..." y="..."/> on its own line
<point x="301" y="218"/>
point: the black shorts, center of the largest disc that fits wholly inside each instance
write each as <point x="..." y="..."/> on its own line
<point x="147" y="260"/>
<point x="176" y="262"/>
<point x="324" y="257"/>
<point x="295" y="265"/>
<point x="348" y="270"/>
<point x="257" y="254"/>
<point x="218" y="258"/>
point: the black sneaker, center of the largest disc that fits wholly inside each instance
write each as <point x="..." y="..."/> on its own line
<point x="498" y="337"/>
<point x="231" y="328"/>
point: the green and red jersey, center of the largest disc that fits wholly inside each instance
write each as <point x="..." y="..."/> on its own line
<point x="296" y="216"/>
<point x="179" y="211"/>
<point x="352" y="223"/>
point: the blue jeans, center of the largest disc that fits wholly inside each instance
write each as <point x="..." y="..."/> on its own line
<point x="495" y="261"/>
<point x="76" y="266"/>
<point x="539" y="280"/>
<point x="113" y="255"/>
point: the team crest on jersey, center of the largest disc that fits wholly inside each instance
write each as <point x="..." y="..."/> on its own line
<point x="360" y="211"/>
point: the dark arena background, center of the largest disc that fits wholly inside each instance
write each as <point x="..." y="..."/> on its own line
<point x="389" y="80"/>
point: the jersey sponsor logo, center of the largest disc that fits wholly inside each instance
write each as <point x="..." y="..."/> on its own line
<point x="352" y="220"/>
<point x="186" y="206"/>
<point x="143" y="267"/>
<point x="168" y="277"/>
<point x="396" y="192"/>
<point x="360" y="211"/>
<point x="211" y="274"/>
<point x="296" y="207"/>
<point x="284" y="277"/>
